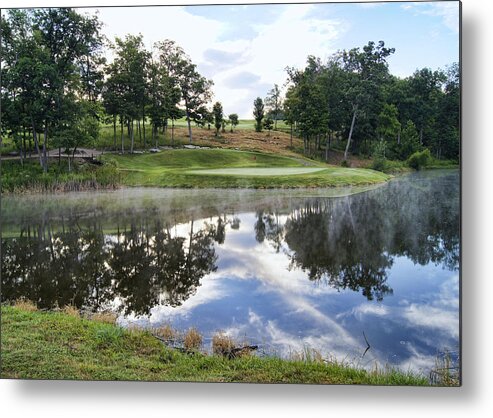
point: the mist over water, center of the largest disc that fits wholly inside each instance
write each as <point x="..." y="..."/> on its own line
<point x="287" y="270"/>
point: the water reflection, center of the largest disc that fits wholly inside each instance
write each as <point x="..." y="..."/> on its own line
<point x="142" y="264"/>
<point x="289" y="269"/>
<point x="142" y="261"/>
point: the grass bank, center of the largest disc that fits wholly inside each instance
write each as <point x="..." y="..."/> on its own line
<point x="56" y="345"/>
<point x="17" y="178"/>
<point x="201" y="168"/>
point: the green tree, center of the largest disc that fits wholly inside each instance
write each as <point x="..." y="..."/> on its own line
<point x="195" y="89"/>
<point x="258" y="113"/>
<point x="409" y="141"/>
<point x="49" y="63"/>
<point x="388" y="123"/>
<point x="233" y="120"/>
<point x="268" y="124"/>
<point x="217" y="110"/>
<point x="273" y="102"/>
<point x="366" y="70"/>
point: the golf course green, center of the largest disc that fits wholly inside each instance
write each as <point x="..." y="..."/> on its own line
<point x="222" y="168"/>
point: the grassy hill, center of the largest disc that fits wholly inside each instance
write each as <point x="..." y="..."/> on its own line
<point x="212" y="168"/>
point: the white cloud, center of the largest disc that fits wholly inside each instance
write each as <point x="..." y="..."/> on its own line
<point x="447" y="10"/>
<point x="286" y="41"/>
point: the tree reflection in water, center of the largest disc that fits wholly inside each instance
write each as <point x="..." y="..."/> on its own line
<point x="346" y="243"/>
<point x="142" y="265"/>
<point x="351" y="242"/>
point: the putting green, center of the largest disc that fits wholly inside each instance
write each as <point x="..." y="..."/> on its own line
<point x="274" y="171"/>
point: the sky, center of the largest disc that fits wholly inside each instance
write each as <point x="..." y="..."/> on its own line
<point x="245" y="49"/>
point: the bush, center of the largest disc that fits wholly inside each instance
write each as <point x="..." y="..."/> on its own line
<point x="345" y="163"/>
<point x="419" y="159"/>
<point x="379" y="164"/>
<point x="192" y="340"/>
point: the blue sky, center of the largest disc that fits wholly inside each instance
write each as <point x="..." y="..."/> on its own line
<point x="244" y="49"/>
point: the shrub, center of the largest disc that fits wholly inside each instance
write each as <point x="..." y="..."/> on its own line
<point x="25" y="305"/>
<point x="379" y="164"/>
<point x="192" y="340"/>
<point x="222" y="344"/>
<point x="345" y="163"/>
<point x="419" y="159"/>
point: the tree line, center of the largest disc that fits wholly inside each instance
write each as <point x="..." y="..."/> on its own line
<point x="58" y="89"/>
<point x="352" y="97"/>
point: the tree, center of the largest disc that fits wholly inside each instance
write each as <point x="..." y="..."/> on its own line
<point x="233" y="120"/>
<point x="388" y="123"/>
<point x="127" y="82"/>
<point x="273" y="102"/>
<point x="290" y="110"/>
<point x="50" y="62"/>
<point x="195" y="89"/>
<point x="409" y="141"/>
<point x="258" y="113"/>
<point x="366" y="71"/>
<point x="425" y="89"/>
<point x="217" y="110"/>
<point x="268" y="124"/>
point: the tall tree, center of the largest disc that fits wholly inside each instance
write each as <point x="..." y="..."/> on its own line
<point x="128" y="74"/>
<point x="233" y="120"/>
<point x="273" y="102"/>
<point x="258" y="113"/>
<point x="45" y="55"/>
<point x="217" y="110"/>
<point x="367" y="70"/>
<point x="195" y="89"/>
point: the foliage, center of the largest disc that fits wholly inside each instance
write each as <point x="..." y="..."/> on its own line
<point x="217" y="110"/>
<point x="268" y="124"/>
<point x="273" y="102"/>
<point x="379" y="158"/>
<point x="258" y="113"/>
<point x="420" y="159"/>
<point x="233" y="120"/>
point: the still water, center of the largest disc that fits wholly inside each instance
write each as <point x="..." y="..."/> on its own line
<point x="288" y="270"/>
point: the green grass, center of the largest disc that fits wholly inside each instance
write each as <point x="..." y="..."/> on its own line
<point x="55" y="345"/>
<point x="17" y="178"/>
<point x="182" y="168"/>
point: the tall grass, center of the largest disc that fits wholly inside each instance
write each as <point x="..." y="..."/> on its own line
<point x="17" y="178"/>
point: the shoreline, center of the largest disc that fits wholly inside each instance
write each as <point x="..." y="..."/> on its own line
<point x="68" y="346"/>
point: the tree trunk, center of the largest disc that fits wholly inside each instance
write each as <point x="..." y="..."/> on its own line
<point x="73" y="157"/>
<point x="132" y="137"/>
<point x="350" y="134"/>
<point x="36" y="144"/>
<point x="121" y="133"/>
<point x="399" y="137"/>
<point x="140" y="131"/>
<point x="291" y="135"/>
<point x="45" y="158"/>
<point x="144" y="126"/>
<point x="114" y="133"/>
<point x="188" y="122"/>
<point x="24" y="142"/>
<point x="327" y="145"/>
<point x="172" y="132"/>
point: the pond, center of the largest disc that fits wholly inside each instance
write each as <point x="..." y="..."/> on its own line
<point x="289" y="270"/>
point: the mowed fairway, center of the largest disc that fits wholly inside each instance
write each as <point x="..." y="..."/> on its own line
<point x="221" y="168"/>
<point x="277" y="171"/>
